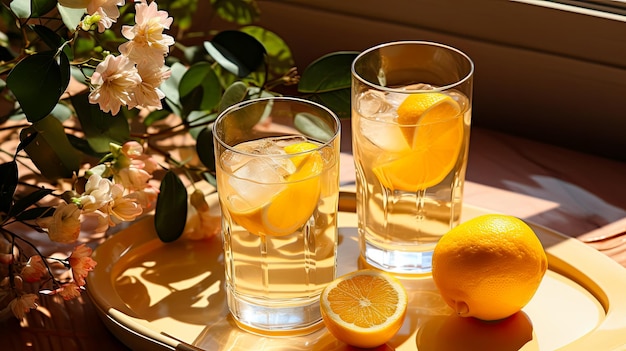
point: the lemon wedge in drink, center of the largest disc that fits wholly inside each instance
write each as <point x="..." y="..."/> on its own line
<point x="291" y="207"/>
<point x="432" y="126"/>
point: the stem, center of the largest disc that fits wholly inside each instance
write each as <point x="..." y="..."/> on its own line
<point x="37" y="252"/>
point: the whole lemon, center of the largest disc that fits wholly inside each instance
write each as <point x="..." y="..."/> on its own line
<point x="489" y="267"/>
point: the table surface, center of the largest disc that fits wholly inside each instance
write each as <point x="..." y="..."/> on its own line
<point x="576" y="194"/>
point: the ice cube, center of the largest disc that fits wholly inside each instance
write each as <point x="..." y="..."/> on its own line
<point x="258" y="181"/>
<point x="385" y="135"/>
<point x="260" y="147"/>
<point x="373" y="104"/>
<point x="394" y="100"/>
<point x="250" y="150"/>
<point x="232" y="161"/>
<point x="419" y="86"/>
<point x="283" y="141"/>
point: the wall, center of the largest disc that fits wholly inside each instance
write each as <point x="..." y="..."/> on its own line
<point x="547" y="74"/>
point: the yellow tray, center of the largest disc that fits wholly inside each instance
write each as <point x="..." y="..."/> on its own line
<point x="155" y="296"/>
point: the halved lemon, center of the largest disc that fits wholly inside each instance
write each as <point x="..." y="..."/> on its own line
<point x="365" y="308"/>
<point x="432" y="125"/>
<point x="291" y="207"/>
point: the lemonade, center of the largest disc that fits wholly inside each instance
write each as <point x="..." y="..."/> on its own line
<point x="412" y="168"/>
<point x="279" y="199"/>
<point x="411" y="114"/>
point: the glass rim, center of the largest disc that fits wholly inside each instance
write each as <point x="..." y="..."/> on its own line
<point x="242" y="104"/>
<point x="461" y="81"/>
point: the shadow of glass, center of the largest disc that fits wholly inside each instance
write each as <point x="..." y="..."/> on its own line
<point x="454" y="333"/>
<point x="182" y="280"/>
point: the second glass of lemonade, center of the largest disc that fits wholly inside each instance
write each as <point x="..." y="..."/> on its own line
<point x="411" y="113"/>
<point x="277" y="163"/>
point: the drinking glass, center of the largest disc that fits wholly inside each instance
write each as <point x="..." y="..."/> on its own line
<point x="411" y="113"/>
<point x="277" y="162"/>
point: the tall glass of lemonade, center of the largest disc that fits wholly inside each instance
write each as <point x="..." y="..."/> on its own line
<point x="411" y="113"/>
<point x="278" y="184"/>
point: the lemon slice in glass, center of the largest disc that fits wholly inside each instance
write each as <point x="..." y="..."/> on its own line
<point x="431" y="124"/>
<point x="290" y="208"/>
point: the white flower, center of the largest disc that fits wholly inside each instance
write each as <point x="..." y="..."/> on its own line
<point x="200" y="223"/>
<point x="97" y="193"/>
<point x="147" y="44"/>
<point x="104" y="21"/>
<point x="132" y="178"/>
<point x="145" y="197"/>
<point x="114" y="80"/>
<point x="132" y="149"/>
<point x="64" y="225"/>
<point x="122" y="208"/>
<point x="108" y="8"/>
<point x="148" y="94"/>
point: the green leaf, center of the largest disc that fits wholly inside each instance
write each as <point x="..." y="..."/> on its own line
<point x="310" y="125"/>
<point x="199" y="89"/>
<point x="21" y="8"/>
<point x="29" y="200"/>
<point x="193" y="54"/>
<point x="41" y="7"/>
<point x="210" y="178"/>
<point x="338" y="101"/>
<point x="280" y="59"/>
<point x="155" y="116"/>
<point x="84" y="48"/>
<point x="71" y="17"/>
<point x="38" y="81"/>
<point x="238" y="52"/>
<point x="100" y="128"/>
<point x="26" y="141"/>
<point x="8" y="183"/>
<point x="205" y="148"/>
<point x="53" y="40"/>
<point x="328" y="73"/>
<point x="170" y="88"/>
<point x="61" y="112"/>
<point x="234" y="94"/>
<point x="200" y="120"/>
<point x="32" y="8"/>
<point x="171" y="208"/>
<point x="83" y="146"/>
<point x="51" y="150"/>
<point x="34" y="213"/>
<point x="237" y="11"/>
<point x="249" y="115"/>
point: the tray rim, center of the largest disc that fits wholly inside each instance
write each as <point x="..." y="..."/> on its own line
<point x="562" y="251"/>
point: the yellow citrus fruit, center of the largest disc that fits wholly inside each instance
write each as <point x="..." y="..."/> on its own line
<point x="433" y="126"/>
<point x="365" y="308"/>
<point x="489" y="267"/>
<point x="425" y="108"/>
<point x="291" y="207"/>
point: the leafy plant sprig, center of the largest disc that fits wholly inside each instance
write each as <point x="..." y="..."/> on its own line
<point x="49" y="58"/>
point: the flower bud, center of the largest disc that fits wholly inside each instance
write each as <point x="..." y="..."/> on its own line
<point x="198" y="201"/>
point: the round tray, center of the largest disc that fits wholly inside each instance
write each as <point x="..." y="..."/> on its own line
<point x="154" y="295"/>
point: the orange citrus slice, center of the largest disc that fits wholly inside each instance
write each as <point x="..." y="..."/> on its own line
<point x="291" y="207"/>
<point x="365" y="308"/>
<point x="433" y="126"/>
